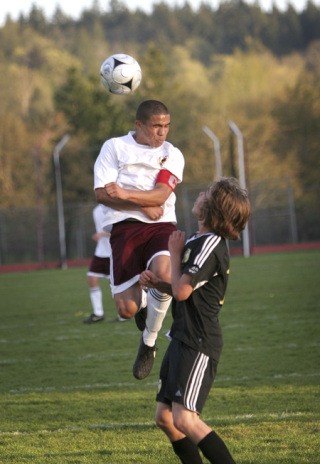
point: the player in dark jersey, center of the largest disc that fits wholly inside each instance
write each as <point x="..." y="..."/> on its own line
<point x="200" y="269"/>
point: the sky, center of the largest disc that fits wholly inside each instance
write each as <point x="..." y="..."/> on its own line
<point x="74" y="8"/>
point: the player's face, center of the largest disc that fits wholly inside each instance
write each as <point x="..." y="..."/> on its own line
<point x="154" y="132"/>
<point x="197" y="206"/>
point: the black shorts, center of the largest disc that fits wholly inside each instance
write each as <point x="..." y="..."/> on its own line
<point x="186" y="377"/>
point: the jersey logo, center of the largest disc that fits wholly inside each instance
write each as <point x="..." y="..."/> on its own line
<point x="194" y="269"/>
<point x="163" y="159"/>
<point x="186" y="256"/>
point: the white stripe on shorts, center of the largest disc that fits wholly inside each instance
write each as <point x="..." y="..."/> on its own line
<point x="195" y="381"/>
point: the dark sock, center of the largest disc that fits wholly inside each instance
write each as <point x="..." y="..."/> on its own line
<point x="187" y="451"/>
<point x="215" y="450"/>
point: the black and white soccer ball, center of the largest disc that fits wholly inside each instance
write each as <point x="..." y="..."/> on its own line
<point x="120" y="74"/>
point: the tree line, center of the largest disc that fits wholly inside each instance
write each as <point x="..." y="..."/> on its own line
<point x="235" y="62"/>
<point x="206" y="30"/>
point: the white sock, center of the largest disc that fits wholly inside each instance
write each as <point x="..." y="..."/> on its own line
<point x="96" y="301"/>
<point x="158" y="305"/>
<point x="144" y="300"/>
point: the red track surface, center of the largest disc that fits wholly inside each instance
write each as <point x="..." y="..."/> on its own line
<point x="23" y="267"/>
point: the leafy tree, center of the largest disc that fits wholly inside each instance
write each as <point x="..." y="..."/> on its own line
<point x="37" y="19"/>
<point x="88" y="107"/>
<point x="298" y="117"/>
<point x="310" y="20"/>
<point x="92" y="115"/>
<point x="155" y="71"/>
<point x="234" y="23"/>
<point x="188" y="96"/>
<point x="246" y="86"/>
<point x="16" y="164"/>
<point x="59" y="18"/>
<point x="290" y="33"/>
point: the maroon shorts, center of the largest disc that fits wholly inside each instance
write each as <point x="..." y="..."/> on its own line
<point x="99" y="267"/>
<point x="134" y="244"/>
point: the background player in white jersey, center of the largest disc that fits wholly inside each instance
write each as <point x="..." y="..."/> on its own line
<point x="99" y="268"/>
<point x="134" y="178"/>
<point x="200" y="270"/>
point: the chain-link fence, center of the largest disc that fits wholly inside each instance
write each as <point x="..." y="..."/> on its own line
<point x="32" y="234"/>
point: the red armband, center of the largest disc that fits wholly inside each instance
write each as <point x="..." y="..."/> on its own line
<point x="165" y="177"/>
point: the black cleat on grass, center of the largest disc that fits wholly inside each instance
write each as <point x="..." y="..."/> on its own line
<point x="93" y="318"/>
<point x="144" y="361"/>
<point x="140" y="318"/>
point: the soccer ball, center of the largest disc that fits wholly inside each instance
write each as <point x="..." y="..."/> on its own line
<point x="120" y="74"/>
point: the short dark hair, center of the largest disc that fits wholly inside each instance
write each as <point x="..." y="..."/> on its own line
<point x="148" y="108"/>
<point x="226" y="209"/>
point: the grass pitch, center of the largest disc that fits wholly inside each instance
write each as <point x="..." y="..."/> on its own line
<point x="67" y="394"/>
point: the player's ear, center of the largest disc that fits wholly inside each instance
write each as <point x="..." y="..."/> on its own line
<point x="138" y="123"/>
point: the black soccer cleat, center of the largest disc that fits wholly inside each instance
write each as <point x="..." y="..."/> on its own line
<point x="140" y="318"/>
<point x="144" y="361"/>
<point x="93" y="318"/>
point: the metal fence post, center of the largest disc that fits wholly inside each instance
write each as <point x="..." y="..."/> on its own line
<point x="216" y="144"/>
<point x="61" y="222"/>
<point x="242" y="181"/>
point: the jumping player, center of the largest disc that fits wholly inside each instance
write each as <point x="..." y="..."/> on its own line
<point x="200" y="270"/>
<point x="135" y="178"/>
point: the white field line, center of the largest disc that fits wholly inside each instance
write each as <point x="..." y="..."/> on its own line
<point x="110" y="426"/>
<point x="113" y="385"/>
<point x="82" y="387"/>
<point x="75" y="335"/>
<point x="136" y="425"/>
<point x="58" y="338"/>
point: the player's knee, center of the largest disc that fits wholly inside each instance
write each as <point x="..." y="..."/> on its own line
<point x="180" y="423"/>
<point x="161" y="421"/>
<point x="161" y="267"/>
<point x="126" y="309"/>
<point x="126" y="313"/>
<point x="164" y="275"/>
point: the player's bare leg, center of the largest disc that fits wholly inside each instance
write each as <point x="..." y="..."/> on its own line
<point x="128" y="302"/>
<point x="185" y="449"/>
<point x="211" y="445"/>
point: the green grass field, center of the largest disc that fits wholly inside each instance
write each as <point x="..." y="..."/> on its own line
<point x="67" y="394"/>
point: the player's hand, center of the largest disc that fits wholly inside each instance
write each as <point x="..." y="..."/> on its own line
<point x="98" y="235"/>
<point x="153" y="212"/>
<point x="177" y="241"/>
<point x="148" y="279"/>
<point x="115" y="191"/>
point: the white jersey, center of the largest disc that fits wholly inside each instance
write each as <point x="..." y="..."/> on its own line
<point x="103" y="248"/>
<point x="136" y="167"/>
